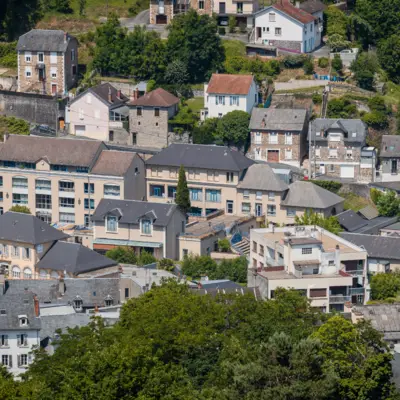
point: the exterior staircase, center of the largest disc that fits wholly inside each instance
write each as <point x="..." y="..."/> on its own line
<point x="243" y="247"/>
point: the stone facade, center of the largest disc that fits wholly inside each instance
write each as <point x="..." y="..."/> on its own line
<point x="56" y="74"/>
<point x="165" y="17"/>
<point x="286" y="44"/>
<point x="207" y="8"/>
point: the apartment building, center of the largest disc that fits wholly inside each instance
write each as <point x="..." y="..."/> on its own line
<point x="328" y="269"/>
<point x="278" y="135"/>
<point x="390" y="159"/>
<point x="63" y="180"/>
<point x="47" y="62"/>
<point x="243" y="11"/>
<point x="338" y="149"/>
<point x="142" y="225"/>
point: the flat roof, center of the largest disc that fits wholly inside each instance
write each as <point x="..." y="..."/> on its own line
<point x="278" y="275"/>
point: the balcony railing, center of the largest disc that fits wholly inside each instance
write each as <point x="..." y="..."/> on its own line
<point x="354" y="291"/>
<point x="339" y="299"/>
<point x="66" y="189"/>
<point x="355" y="272"/>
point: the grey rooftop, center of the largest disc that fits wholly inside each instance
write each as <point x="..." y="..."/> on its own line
<point x="354" y="130"/>
<point x="278" y="119"/>
<point x="44" y="40"/>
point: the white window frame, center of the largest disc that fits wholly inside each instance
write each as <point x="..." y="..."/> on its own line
<point x="141" y="227"/>
<point x="273" y="138"/>
<point x="288" y="154"/>
<point x="38" y="57"/>
<point x="290" y="212"/>
<point x="258" y="195"/>
<point x="28" y="70"/>
<point x="258" y="138"/>
<point x="53" y="57"/>
<point x="234" y="100"/>
<point x="53" y="72"/>
<point x="271" y="17"/>
<point x="271" y="196"/>
<point x="109" y="217"/>
<point x="333" y="153"/>
<point x="278" y="31"/>
<point x="28" y="56"/>
<point x="288" y="138"/>
<point x="220" y="100"/>
<point x="246" y="194"/>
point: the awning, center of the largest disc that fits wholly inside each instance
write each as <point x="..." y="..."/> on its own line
<point x="131" y="243"/>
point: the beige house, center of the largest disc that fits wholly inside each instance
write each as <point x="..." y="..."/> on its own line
<point x="63" y="180"/>
<point x="330" y="270"/>
<point x="47" y="62"/>
<point x="100" y="113"/>
<point x="32" y="249"/>
<point x="142" y="225"/>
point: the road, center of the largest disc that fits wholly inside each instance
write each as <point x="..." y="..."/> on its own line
<point x="143" y="18"/>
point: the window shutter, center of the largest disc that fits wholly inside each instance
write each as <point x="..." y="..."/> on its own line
<point x="25" y="340"/>
<point x="10" y="360"/>
<point x="19" y="359"/>
<point x="19" y="340"/>
<point x="29" y="358"/>
<point x="5" y="340"/>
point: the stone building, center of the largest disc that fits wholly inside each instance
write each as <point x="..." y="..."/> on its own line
<point x="390" y="158"/>
<point x="338" y="150"/>
<point x="47" y="62"/>
<point x="278" y="135"/>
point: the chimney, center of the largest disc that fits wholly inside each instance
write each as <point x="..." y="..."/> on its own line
<point x="6" y="136"/>
<point x="2" y="284"/>
<point x="61" y="286"/>
<point x="65" y="37"/>
<point x="109" y="95"/>
<point x="137" y="93"/>
<point x="119" y="94"/>
<point x="297" y="4"/>
<point x="36" y="304"/>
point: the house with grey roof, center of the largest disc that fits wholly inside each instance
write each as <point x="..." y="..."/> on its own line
<point x="47" y="62"/>
<point x="141" y="225"/>
<point x="337" y="149"/>
<point x="391" y="230"/>
<point x="389" y="157"/>
<point x="101" y="113"/>
<point x="278" y="135"/>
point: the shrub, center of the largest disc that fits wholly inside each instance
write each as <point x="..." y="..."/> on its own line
<point x="332" y="186"/>
<point x="232" y="24"/>
<point x="337" y="63"/>
<point x="323" y="62"/>
<point x="224" y="245"/>
<point x="377" y="103"/>
<point x="293" y="61"/>
<point x="221" y="30"/>
<point x="317" y="98"/>
<point x="145" y="258"/>
<point x="167" y="264"/>
<point x="308" y="66"/>
<point x="242" y="27"/>
<point x="375" y="194"/>
<point x="376" y="119"/>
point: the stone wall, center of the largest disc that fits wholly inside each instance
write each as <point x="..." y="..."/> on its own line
<point x="286" y="44"/>
<point x="34" y="108"/>
<point x="168" y="11"/>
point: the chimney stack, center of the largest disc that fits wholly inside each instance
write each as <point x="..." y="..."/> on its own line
<point x="109" y="95"/>
<point x="65" y="37"/>
<point x="2" y="284"/>
<point x="119" y="94"/>
<point x="36" y="305"/>
<point x="297" y="4"/>
<point x="61" y="286"/>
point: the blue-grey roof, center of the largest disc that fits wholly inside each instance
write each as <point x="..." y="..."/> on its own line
<point x="26" y="228"/>
<point x="51" y="323"/>
<point x="201" y="156"/>
<point x="219" y="284"/>
<point x="354" y="130"/>
<point x="262" y="177"/>
<point x="350" y="220"/>
<point x="390" y="146"/>
<point x="44" y="40"/>
<point x="278" y="119"/>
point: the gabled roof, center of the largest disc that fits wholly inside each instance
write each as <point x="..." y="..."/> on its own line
<point x="390" y="146"/>
<point x="112" y="162"/>
<point x="201" y="156"/>
<point x="286" y="7"/>
<point x="355" y="130"/>
<point x="131" y="211"/>
<point x="312" y="6"/>
<point x="44" y="40"/>
<point x="156" y="98"/>
<point x="383" y="247"/>
<point x="31" y="149"/>
<point x="230" y="84"/>
<point x="350" y="220"/>
<point x="278" y="119"/>
<point x="26" y="228"/>
<point x="103" y="92"/>
<point x="73" y="258"/>
<point x="308" y="195"/>
<point x="369" y="212"/>
<point x="262" y="177"/>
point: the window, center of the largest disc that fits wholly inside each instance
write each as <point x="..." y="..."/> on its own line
<point x="22" y="340"/>
<point x="349" y="153"/>
<point x="273" y="138"/>
<point x="43" y="201"/>
<point x="288" y="154"/>
<point x="16" y="272"/>
<point x="278" y="31"/>
<point x="108" y="301"/>
<point x="246" y="207"/>
<point x="89" y="203"/>
<point x="306" y="250"/>
<point x="146" y="227"/>
<point x="26" y="253"/>
<point x="67" y="202"/>
<point x="331" y="263"/>
<point x="229" y="207"/>
<point x="67" y="218"/>
<point x="332" y="153"/>
<point x="139" y="111"/>
<point x="111" y="223"/>
<point x="20" y="183"/>
<point x="172" y="172"/>
<point x="290" y="212"/>
<point x="190" y="174"/>
<point x="257" y="138"/>
<point x="82" y="170"/>
<point x="127" y="293"/>
<point x="156" y="112"/>
<point x="4" y="338"/>
<point x="258" y="195"/>
<point x="87" y="221"/>
<point x="55" y="167"/>
<point x="28" y="72"/>
<point x="6" y="360"/>
<point x="27" y="274"/>
<point x="246" y="194"/>
<point x="220" y="100"/>
<point x="332" y="168"/>
<point x="213" y="196"/>
<point x="87" y="186"/>
<point x="111" y="136"/>
<point x="254" y="246"/>
<point x="78" y="304"/>
<point x="288" y="138"/>
<point x="271" y="196"/>
<point x="53" y="72"/>
<point x="271" y="210"/>
<point x="74" y="70"/>
<point x="20" y="198"/>
<point x="42" y="184"/>
<point x="196" y="194"/>
<point x="134" y="139"/>
<point x="72" y="54"/>
<point x="201" y="5"/>
<point x="28" y="56"/>
<point x="171" y="192"/>
<point x="229" y="176"/>
<point x="112" y="190"/>
<point x="239" y="8"/>
<point x="157" y="191"/>
<point x="261" y="250"/>
<point x="271" y="17"/>
<point x="212" y="176"/>
<point x="234" y="100"/>
<point x="40" y="57"/>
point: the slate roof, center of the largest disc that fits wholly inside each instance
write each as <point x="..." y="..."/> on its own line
<point x="387" y="186"/>
<point x="229" y="84"/>
<point x="20" y="303"/>
<point x="375" y="224"/>
<point x="384" y="247"/>
<point x="390" y="146"/>
<point x="309" y="195"/>
<point x="113" y="162"/>
<point x="44" y="40"/>
<point x="26" y="228"/>
<point x="369" y="212"/>
<point x="201" y="156"/>
<point x="73" y="258"/>
<point x="131" y="211"/>
<point x="51" y="323"/>
<point x="92" y="291"/>
<point x="350" y="220"/>
<point x="279" y="119"/>
<point x="312" y="6"/>
<point x="262" y="177"/>
<point x="349" y="126"/>
<point x="156" y="98"/>
<point x="62" y="151"/>
<point x="393" y="227"/>
<point x="218" y="284"/>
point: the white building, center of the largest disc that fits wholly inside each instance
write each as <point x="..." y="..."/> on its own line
<point x="285" y="26"/>
<point x="225" y="93"/>
<point x="328" y="269"/>
<point x="19" y="329"/>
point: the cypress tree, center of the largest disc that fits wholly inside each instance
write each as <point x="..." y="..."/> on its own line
<point x="182" y="192"/>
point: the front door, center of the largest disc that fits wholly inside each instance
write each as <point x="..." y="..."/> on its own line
<point x="258" y="209"/>
<point x="229" y="207"/>
<point x="42" y="75"/>
<point x="222" y="8"/>
<point x="258" y="32"/>
<point x="273" y="156"/>
<point x="53" y="89"/>
<point x="394" y="167"/>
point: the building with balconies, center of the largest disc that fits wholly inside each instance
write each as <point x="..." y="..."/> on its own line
<point x="328" y="269"/>
<point x="63" y="180"/>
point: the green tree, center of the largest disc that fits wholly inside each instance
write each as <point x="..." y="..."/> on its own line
<point x="385" y="285"/>
<point x="224" y="245"/>
<point x="376" y="119"/>
<point x="377" y="103"/>
<point x="337" y="21"/>
<point x="375" y="194"/>
<point x="193" y="40"/>
<point x="388" y="204"/>
<point x="337" y="63"/>
<point x="176" y="73"/>
<point x="82" y="6"/>
<point x="198" y="266"/>
<point x="232" y="24"/>
<point x="123" y="255"/>
<point x="205" y="132"/>
<point x="364" y="68"/>
<point x="233" y="129"/>
<point x="331" y="224"/>
<point x="389" y="56"/>
<point x="182" y="198"/>
<point x="146" y="258"/>
<point x="337" y="42"/>
<point x="341" y="108"/>
<point x="20" y="209"/>
<point x="234" y="270"/>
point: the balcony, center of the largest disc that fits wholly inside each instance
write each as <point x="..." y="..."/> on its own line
<point x="355" y="272"/>
<point x="339" y="299"/>
<point x="357" y="291"/>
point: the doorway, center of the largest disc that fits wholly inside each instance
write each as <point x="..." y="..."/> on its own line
<point x="258" y="209"/>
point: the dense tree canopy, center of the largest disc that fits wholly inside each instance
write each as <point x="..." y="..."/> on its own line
<point x="233" y="129"/>
<point x="331" y="224"/>
<point x="385" y="286"/>
<point x="389" y="56"/>
<point x="388" y="204"/>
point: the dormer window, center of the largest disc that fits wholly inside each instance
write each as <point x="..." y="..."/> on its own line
<point x="108" y="301"/>
<point x="23" y="320"/>
<point x="145" y="227"/>
<point x="78" y="304"/>
<point x="111" y="223"/>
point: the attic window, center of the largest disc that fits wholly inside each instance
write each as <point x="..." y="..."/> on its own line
<point x="78" y="304"/>
<point x="23" y="320"/>
<point x="108" y="301"/>
<point x="3" y="312"/>
<point x="354" y="134"/>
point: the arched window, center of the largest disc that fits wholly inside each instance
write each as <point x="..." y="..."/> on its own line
<point x="43" y="274"/>
<point x="109" y="301"/>
<point x="16" y="272"/>
<point x="27" y="273"/>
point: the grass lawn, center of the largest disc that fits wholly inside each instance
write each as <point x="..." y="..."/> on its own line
<point x="196" y="104"/>
<point x="354" y="202"/>
<point x="234" y="48"/>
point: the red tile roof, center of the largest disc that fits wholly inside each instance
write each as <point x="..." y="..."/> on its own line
<point x="156" y="98"/>
<point x="229" y="84"/>
<point x="294" y="12"/>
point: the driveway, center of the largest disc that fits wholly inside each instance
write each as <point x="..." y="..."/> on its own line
<point x="143" y="18"/>
<point x="322" y="51"/>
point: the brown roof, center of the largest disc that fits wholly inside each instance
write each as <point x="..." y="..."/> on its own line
<point x="106" y="89"/>
<point x="30" y="149"/>
<point x="156" y="98"/>
<point x="312" y="6"/>
<point x="112" y="162"/>
<point x="229" y="84"/>
<point x="294" y="12"/>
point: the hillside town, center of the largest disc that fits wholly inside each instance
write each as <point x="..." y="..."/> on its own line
<point x="200" y="199"/>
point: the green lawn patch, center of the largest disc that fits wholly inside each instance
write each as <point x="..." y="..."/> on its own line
<point x="196" y="104"/>
<point x="234" y="48"/>
<point x="354" y="202"/>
